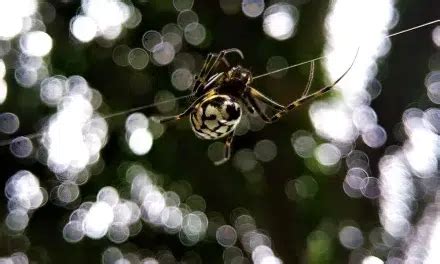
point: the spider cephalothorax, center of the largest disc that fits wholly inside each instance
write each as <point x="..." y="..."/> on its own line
<point x="239" y="74"/>
<point x="221" y="95"/>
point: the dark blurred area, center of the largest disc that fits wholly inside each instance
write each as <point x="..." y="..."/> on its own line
<point x="283" y="188"/>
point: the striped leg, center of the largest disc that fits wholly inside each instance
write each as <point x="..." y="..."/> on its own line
<point x="254" y="104"/>
<point x="227" y="151"/>
<point x="200" y="79"/>
<point x="255" y="95"/>
<point x="222" y="57"/>
<point x="258" y="95"/>
<point x="309" y="82"/>
<point x="248" y="105"/>
<point x="211" y="63"/>
<point x="300" y="101"/>
<point x="309" y="97"/>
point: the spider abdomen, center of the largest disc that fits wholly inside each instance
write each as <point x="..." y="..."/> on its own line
<point x="215" y="117"/>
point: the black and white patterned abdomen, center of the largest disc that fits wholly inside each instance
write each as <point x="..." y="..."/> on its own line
<point x="215" y="117"/>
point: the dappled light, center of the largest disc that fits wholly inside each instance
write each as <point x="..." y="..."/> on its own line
<point x="114" y="113"/>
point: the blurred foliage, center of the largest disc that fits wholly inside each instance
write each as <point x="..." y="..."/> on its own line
<point x="303" y="230"/>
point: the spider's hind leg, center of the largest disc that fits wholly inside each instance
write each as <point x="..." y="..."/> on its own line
<point x="227" y="150"/>
<point x="255" y="95"/>
<point x="256" y="107"/>
<point x="260" y="96"/>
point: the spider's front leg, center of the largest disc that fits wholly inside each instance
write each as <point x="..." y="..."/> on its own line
<point x="211" y="63"/>
<point x="227" y="150"/>
<point x="301" y="101"/>
<point x="308" y="97"/>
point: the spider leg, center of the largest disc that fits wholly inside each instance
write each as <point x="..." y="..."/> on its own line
<point x="257" y="94"/>
<point x="309" y="82"/>
<point x="248" y="105"/>
<point x="227" y="150"/>
<point x="206" y="65"/>
<point x="301" y="101"/>
<point x="251" y="100"/>
<point x="211" y="63"/>
<point x="221" y="56"/>
<point x="204" y="75"/>
<point x="225" y="61"/>
<point x="211" y="83"/>
<point x="309" y="97"/>
<point x="200" y="78"/>
<point x="253" y="95"/>
<point x="239" y="52"/>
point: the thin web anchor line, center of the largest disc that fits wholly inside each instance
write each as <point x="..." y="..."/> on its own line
<point x="39" y="134"/>
<point x="289" y="67"/>
<point x="135" y="109"/>
<point x="323" y="57"/>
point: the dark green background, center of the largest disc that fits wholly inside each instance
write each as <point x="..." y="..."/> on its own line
<point x="179" y="155"/>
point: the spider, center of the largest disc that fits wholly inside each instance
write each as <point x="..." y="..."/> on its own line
<point x="220" y="97"/>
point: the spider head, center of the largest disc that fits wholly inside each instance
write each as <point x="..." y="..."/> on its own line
<point x="238" y="73"/>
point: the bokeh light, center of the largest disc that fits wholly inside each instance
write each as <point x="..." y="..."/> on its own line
<point x="13" y="15"/>
<point x="15" y="258"/>
<point x="3" y="91"/>
<point x="9" y="123"/>
<point x="280" y="21"/>
<point x="36" y="43"/>
<point x="138" y="58"/>
<point x="354" y="84"/>
<point x="252" y="8"/>
<point x="136" y="192"/>
<point x="436" y="36"/>
<point x="24" y="194"/>
<point x="75" y="127"/>
<point x="181" y="5"/>
<point x="274" y="63"/>
<point x="21" y="147"/>
<point x="303" y="143"/>
<point x="163" y="53"/>
<point x="105" y="18"/>
<point x="182" y="79"/>
<point x="195" y="33"/>
<point x="140" y="141"/>
<point x="151" y="39"/>
<point x="265" y="150"/>
<point x="351" y="237"/>
<point x="187" y="17"/>
<point x="84" y="28"/>
<point x="328" y="154"/>
<point x="372" y="260"/>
